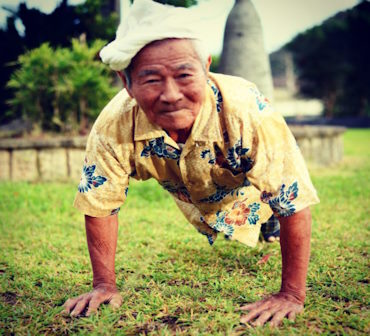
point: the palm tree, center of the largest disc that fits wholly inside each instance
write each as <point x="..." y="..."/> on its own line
<point x="243" y="51"/>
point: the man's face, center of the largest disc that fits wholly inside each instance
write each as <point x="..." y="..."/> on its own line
<point x="169" y="83"/>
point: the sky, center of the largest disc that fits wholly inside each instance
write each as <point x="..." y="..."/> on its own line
<point x="281" y="19"/>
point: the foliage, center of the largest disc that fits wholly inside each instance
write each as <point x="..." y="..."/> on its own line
<point x="12" y="43"/>
<point x="98" y="19"/>
<point x="60" y="88"/>
<point x="333" y="62"/>
<point x="93" y="18"/>
<point x="215" y="63"/>
<point x="178" y="3"/>
<point x="171" y="280"/>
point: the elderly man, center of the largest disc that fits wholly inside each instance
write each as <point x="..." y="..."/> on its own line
<point x="213" y="141"/>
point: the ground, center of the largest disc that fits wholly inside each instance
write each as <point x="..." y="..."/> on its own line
<point x="171" y="280"/>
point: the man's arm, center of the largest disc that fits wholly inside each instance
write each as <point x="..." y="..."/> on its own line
<point x="295" y="234"/>
<point x="101" y="236"/>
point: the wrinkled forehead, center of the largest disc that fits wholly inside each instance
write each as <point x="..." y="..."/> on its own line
<point x="158" y="50"/>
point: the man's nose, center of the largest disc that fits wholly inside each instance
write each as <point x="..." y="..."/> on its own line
<point x="171" y="92"/>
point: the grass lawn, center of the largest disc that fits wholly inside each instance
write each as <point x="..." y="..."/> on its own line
<point x="171" y="280"/>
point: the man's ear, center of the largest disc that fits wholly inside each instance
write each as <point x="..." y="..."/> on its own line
<point x="209" y="61"/>
<point x="124" y="81"/>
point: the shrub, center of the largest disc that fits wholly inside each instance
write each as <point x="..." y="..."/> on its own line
<point x="61" y="89"/>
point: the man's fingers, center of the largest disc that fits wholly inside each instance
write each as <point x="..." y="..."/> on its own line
<point x="250" y="316"/>
<point x="94" y="304"/>
<point x="250" y="306"/>
<point x="278" y="317"/>
<point x="116" y="301"/>
<point x="262" y="319"/>
<point x="274" y="309"/>
<point x="92" y="301"/>
<point x="80" y="305"/>
<point x="292" y="315"/>
<point x="69" y="305"/>
<point x="259" y="308"/>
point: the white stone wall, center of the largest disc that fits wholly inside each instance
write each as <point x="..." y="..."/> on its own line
<point x="42" y="160"/>
<point x="62" y="159"/>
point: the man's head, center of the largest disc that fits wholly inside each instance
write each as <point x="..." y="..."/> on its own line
<point x="168" y="80"/>
<point x="199" y="47"/>
<point x="158" y="54"/>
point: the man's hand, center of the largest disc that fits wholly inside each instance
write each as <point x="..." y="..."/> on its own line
<point x="274" y="308"/>
<point x="295" y="233"/>
<point x="101" y="234"/>
<point x="92" y="300"/>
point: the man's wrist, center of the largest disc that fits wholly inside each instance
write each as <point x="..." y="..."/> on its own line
<point x="105" y="285"/>
<point x="295" y="294"/>
<point x="104" y="282"/>
<point x="292" y="297"/>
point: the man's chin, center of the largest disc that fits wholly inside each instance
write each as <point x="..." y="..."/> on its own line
<point x="176" y="124"/>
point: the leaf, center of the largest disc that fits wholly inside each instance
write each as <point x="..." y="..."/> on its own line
<point x="264" y="259"/>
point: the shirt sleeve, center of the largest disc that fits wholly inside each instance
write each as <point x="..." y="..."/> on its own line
<point x="105" y="177"/>
<point x="279" y="170"/>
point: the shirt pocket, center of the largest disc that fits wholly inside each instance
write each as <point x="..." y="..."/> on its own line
<point x="225" y="178"/>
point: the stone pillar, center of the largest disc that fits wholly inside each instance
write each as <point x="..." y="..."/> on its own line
<point x="243" y="52"/>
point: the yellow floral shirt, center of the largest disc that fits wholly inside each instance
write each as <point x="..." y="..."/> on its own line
<point x="239" y="165"/>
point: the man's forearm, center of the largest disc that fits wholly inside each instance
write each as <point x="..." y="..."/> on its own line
<point x="295" y="235"/>
<point x="101" y="236"/>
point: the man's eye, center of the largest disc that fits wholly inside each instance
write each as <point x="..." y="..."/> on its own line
<point x="184" y="75"/>
<point x="151" y="81"/>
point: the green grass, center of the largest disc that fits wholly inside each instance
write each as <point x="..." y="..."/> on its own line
<point x="171" y="280"/>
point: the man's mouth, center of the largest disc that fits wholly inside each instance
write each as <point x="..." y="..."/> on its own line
<point x="173" y="111"/>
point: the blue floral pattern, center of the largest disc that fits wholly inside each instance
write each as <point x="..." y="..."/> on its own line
<point x="89" y="180"/>
<point x="235" y="157"/>
<point x="253" y="218"/>
<point x="208" y="235"/>
<point x="218" y="96"/>
<point x="221" y="226"/>
<point x="282" y="205"/>
<point x="261" y="100"/>
<point x="222" y="192"/>
<point x="114" y="211"/>
<point x="159" y="148"/>
<point x="178" y="190"/>
<point x="208" y="154"/>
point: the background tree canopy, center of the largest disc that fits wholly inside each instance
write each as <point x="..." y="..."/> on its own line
<point x="332" y="62"/>
<point x="95" y="19"/>
<point x="178" y="3"/>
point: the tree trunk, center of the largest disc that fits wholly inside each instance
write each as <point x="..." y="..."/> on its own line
<point x="243" y="51"/>
<point x="329" y="103"/>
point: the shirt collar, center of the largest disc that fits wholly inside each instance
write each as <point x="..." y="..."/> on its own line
<point x="144" y="129"/>
<point x="206" y="126"/>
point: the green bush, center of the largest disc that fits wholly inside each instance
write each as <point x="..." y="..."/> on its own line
<point x="61" y="89"/>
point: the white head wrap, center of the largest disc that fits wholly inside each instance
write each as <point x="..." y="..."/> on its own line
<point x="146" y="22"/>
